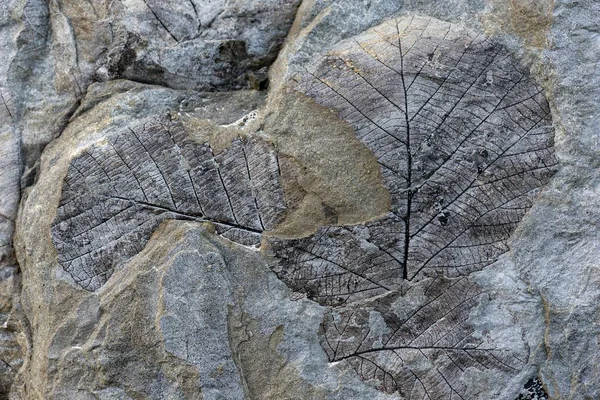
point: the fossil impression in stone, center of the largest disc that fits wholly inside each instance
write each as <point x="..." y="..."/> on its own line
<point x="464" y="139"/>
<point x="118" y="191"/>
<point x="419" y="352"/>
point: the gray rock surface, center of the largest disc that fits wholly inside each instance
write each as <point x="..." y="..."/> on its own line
<point x="559" y="261"/>
<point x="52" y="51"/>
<point x="142" y="275"/>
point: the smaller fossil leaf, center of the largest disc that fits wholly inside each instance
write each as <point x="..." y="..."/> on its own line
<point x="117" y="192"/>
<point x="421" y="354"/>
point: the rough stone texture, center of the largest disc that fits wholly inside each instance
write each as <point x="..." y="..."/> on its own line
<point x="557" y="251"/>
<point x="186" y="309"/>
<point x="11" y="357"/>
<point x="53" y="50"/>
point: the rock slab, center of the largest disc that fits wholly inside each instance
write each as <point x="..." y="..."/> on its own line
<point x="397" y="202"/>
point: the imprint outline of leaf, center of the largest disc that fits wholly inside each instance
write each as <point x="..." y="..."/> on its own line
<point x="118" y="191"/>
<point x="463" y="137"/>
<point x="418" y="354"/>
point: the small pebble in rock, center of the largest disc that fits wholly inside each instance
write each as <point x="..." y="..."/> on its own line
<point x="533" y="390"/>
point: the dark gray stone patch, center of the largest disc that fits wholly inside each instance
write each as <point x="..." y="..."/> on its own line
<point x="533" y="390"/>
<point x="214" y="45"/>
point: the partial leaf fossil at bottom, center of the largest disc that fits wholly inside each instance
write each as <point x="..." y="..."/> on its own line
<point x="421" y="353"/>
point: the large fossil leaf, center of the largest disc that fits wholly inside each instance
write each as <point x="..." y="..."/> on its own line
<point x="421" y="351"/>
<point x="464" y="140"/>
<point x="117" y="192"/>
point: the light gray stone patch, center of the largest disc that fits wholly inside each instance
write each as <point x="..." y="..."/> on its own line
<point x="112" y="393"/>
<point x="195" y="320"/>
<point x="242" y="284"/>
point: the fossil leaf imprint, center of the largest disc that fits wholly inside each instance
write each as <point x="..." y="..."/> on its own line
<point x="118" y="191"/>
<point x="421" y="353"/>
<point x="464" y="140"/>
